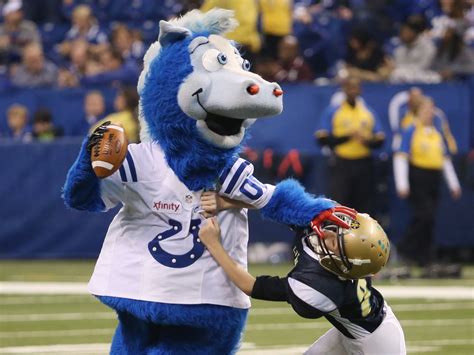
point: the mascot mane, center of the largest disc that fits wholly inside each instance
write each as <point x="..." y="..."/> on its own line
<point x="166" y="65"/>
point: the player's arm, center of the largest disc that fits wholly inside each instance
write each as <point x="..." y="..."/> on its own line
<point x="212" y="203"/>
<point x="209" y="234"/>
<point x="401" y="164"/>
<point x="263" y="287"/>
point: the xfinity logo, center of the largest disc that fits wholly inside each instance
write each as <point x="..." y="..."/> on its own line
<point x="167" y="206"/>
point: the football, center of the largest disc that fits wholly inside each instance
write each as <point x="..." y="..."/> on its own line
<point x="109" y="153"/>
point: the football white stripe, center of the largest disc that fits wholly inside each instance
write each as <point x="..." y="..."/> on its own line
<point x="102" y="164"/>
<point x="118" y="128"/>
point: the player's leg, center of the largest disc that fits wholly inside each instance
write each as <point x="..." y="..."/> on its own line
<point x="388" y="338"/>
<point x="330" y="343"/>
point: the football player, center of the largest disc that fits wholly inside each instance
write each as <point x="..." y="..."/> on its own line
<point x="331" y="278"/>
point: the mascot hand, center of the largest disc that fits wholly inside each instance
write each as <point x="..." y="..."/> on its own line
<point x="97" y="135"/>
<point x="330" y="216"/>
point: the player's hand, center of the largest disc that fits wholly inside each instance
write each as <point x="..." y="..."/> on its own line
<point x="209" y="204"/>
<point x="330" y="216"/>
<point x="210" y="233"/>
<point x="97" y="135"/>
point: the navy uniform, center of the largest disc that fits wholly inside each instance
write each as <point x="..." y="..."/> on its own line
<point x="363" y="322"/>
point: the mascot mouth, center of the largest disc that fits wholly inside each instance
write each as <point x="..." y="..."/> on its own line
<point x="223" y="126"/>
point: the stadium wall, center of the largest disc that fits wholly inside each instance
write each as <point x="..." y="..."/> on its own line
<point x="34" y="223"/>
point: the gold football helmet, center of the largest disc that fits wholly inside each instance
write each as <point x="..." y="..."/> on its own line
<point x="362" y="250"/>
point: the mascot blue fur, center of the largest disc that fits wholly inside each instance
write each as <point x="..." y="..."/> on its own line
<point x="197" y="99"/>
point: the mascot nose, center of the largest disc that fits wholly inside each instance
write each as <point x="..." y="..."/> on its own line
<point x="253" y="89"/>
<point x="277" y="92"/>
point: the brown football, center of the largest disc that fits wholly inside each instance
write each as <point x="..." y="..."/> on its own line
<point x="108" y="154"/>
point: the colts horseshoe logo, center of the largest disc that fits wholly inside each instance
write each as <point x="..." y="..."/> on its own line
<point x="173" y="260"/>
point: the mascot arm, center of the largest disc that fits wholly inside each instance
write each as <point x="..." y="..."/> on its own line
<point x="83" y="190"/>
<point x="287" y="202"/>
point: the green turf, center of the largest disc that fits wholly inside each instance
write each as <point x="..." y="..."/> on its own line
<point x="431" y="326"/>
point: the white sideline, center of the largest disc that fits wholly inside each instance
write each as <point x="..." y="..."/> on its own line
<point x="79" y="288"/>
<point x="246" y="349"/>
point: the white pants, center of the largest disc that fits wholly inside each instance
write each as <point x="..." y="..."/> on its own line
<point x="388" y="339"/>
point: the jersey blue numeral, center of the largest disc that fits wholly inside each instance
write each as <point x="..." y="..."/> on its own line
<point x="173" y="260"/>
<point x="252" y="188"/>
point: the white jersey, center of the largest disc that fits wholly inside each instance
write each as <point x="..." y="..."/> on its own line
<point x="152" y="250"/>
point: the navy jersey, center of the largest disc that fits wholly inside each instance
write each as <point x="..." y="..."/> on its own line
<point x="354" y="307"/>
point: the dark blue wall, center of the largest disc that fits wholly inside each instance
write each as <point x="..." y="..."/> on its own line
<point x="35" y="224"/>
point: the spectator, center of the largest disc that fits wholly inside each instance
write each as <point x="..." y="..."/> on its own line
<point x="34" y="71"/>
<point x="352" y="130"/>
<point x="292" y="65"/>
<point x="418" y="167"/>
<point x="111" y="69"/>
<point x="127" y="43"/>
<point x="365" y="58"/>
<point x="43" y="128"/>
<point x="78" y="66"/>
<point x="277" y="22"/>
<point x="453" y="16"/>
<point x="453" y="60"/>
<point x="414" y="55"/>
<point x="17" y="120"/>
<point x="267" y="67"/>
<point x="84" y="26"/>
<point x="246" y="34"/>
<point x="408" y="115"/>
<point x="94" y="107"/>
<point x="125" y="104"/>
<point x="15" y="32"/>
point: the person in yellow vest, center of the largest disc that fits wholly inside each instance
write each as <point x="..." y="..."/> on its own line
<point x="277" y="22"/>
<point x="246" y="12"/>
<point x="415" y="97"/>
<point x="351" y="129"/>
<point x="419" y="165"/>
<point x="125" y="104"/>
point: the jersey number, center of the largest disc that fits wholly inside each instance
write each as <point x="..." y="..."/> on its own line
<point x="177" y="260"/>
<point x="363" y="294"/>
<point x="252" y="188"/>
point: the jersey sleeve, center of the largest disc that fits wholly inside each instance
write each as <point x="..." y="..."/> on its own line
<point x="238" y="183"/>
<point x="270" y="288"/>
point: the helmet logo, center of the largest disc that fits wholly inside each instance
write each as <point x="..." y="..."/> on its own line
<point x="382" y="244"/>
<point x="355" y="224"/>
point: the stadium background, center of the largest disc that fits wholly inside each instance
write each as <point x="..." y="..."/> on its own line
<point x="38" y="310"/>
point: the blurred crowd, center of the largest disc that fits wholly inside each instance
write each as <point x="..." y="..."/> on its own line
<point x="68" y="43"/>
<point x="97" y="43"/>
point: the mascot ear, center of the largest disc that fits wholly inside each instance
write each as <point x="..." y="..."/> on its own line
<point x="170" y="33"/>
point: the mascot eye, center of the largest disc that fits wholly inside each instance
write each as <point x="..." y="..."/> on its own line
<point x="246" y="65"/>
<point x="211" y="60"/>
<point x="222" y="58"/>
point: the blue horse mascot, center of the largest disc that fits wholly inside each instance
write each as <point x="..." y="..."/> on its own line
<point x="197" y="100"/>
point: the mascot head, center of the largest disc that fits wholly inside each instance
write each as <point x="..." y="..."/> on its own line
<point x="196" y="88"/>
